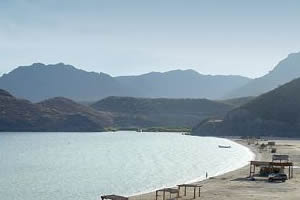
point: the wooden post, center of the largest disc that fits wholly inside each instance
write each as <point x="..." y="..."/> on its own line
<point x="156" y="195"/>
<point x="164" y="195"/>
<point x="194" y="192"/>
<point x="184" y="190"/>
<point x="292" y="171"/>
<point x="199" y="191"/>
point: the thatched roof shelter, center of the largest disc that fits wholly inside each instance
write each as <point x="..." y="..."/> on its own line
<point x="194" y="186"/>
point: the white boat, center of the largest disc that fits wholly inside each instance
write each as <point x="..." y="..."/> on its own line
<point x="225" y="147"/>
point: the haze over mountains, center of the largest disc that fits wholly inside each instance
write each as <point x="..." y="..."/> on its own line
<point x="39" y="82"/>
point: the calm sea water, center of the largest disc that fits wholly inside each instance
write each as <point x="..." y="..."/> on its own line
<point x="82" y="166"/>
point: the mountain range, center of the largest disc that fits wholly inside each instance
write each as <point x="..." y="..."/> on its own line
<point x="268" y="105"/>
<point x="182" y="84"/>
<point x="39" y="82"/>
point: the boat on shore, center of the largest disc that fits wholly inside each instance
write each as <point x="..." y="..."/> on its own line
<point x="224" y="146"/>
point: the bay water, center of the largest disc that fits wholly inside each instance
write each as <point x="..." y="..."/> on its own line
<point x="83" y="166"/>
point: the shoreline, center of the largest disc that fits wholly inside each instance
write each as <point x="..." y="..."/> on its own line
<point x="200" y="180"/>
<point x="235" y="185"/>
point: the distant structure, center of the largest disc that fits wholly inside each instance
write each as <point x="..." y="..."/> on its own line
<point x="194" y="186"/>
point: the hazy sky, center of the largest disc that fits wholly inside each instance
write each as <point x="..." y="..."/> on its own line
<point x="133" y="37"/>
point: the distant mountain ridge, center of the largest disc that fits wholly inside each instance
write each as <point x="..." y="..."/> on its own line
<point x="182" y="84"/>
<point x="286" y="70"/>
<point x="39" y="82"/>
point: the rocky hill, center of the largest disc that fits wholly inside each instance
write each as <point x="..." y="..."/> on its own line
<point x="67" y="106"/>
<point x="22" y="115"/>
<point x="149" y="112"/>
<point x="276" y="113"/>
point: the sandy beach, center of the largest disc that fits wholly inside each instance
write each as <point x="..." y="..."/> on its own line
<point x="235" y="185"/>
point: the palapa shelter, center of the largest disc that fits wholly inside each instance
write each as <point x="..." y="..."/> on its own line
<point x="191" y="186"/>
<point x="271" y="165"/>
<point x="169" y="190"/>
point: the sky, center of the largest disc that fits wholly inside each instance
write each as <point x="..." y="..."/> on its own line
<point x="130" y="37"/>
